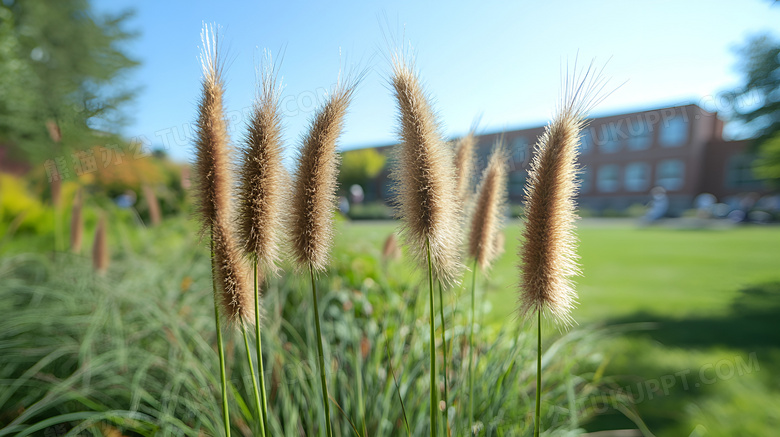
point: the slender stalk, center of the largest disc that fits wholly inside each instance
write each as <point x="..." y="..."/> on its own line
<point x="537" y="425"/>
<point x="434" y="388"/>
<point x="259" y="346"/>
<point x="254" y="381"/>
<point x="223" y="378"/>
<point x="323" y="382"/>
<point x="444" y="355"/>
<point x="471" y="351"/>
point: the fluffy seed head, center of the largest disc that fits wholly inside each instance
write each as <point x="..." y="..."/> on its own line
<point x="77" y="223"/>
<point x="549" y="259"/>
<point x="232" y="277"/>
<point x="263" y="185"/>
<point x="390" y="250"/>
<point x="314" y="195"/>
<point x="487" y="220"/>
<point x="426" y="201"/>
<point x="212" y="184"/>
<point x="100" y="256"/>
<point x="464" y="165"/>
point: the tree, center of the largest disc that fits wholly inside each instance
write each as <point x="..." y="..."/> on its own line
<point x="61" y="69"/>
<point x="756" y="104"/>
<point x="360" y="167"/>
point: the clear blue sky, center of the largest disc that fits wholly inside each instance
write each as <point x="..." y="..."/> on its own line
<point x="500" y="60"/>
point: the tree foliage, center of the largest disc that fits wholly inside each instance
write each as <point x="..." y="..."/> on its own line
<point x="756" y="103"/>
<point x="62" y="67"/>
<point x="360" y="167"/>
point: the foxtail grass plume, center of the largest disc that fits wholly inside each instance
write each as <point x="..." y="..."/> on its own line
<point x="489" y="210"/>
<point x="212" y="149"/>
<point x="212" y="166"/>
<point x="464" y="165"/>
<point x="100" y="255"/>
<point x="314" y="195"/>
<point x="391" y="250"/>
<point x="233" y="278"/>
<point x="77" y="222"/>
<point x="155" y="217"/>
<point x="427" y="201"/>
<point x="549" y="259"/>
<point x="263" y="179"/>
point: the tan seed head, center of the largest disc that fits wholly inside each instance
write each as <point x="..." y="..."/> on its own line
<point x="427" y="201"/>
<point x="488" y="217"/>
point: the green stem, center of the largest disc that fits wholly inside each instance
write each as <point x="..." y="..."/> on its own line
<point x="259" y="346"/>
<point x="444" y="355"/>
<point x="434" y="388"/>
<point x="254" y="379"/>
<point x="223" y="378"/>
<point x="323" y="382"/>
<point x="538" y="426"/>
<point x="471" y="351"/>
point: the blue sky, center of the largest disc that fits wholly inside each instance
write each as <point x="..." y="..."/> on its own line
<point x="498" y="60"/>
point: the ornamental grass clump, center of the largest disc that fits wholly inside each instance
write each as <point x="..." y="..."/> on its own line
<point x="486" y="223"/>
<point x="427" y="200"/>
<point x="314" y="202"/>
<point x="262" y="195"/>
<point x="548" y="256"/>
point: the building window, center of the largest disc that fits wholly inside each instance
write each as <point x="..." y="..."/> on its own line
<point x="639" y="135"/>
<point x="637" y="176"/>
<point x="586" y="142"/>
<point x="519" y="151"/>
<point x="739" y="172"/>
<point x="608" y="178"/>
<point x="517" y="183"/>
<point x="585" y="177"/>
<point x="609" y="141"/>
<point x="674" y="132"/>
<point x="670" y="174"/>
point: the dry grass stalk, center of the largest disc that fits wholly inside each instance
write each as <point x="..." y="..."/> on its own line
<point x="212" y="146"/>
<point x="489" y="210"/>
<point x="155" y="217"/>
<point x="464" y="165"/>
<point x="100" y="255"/>
<point x="77" y="222"/>
<point x="391" y="250"/>
<point x="233" y="278"/>
<point x="549" y="259"/>
<point x="263" y="179"/>
<point x="213" y="184"/>
<point x="425" y="179"/>
<point x="314" y="199"/>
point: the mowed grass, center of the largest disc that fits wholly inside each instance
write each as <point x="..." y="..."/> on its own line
<point x="694" y="308"/>
<point x="627" y="269"/>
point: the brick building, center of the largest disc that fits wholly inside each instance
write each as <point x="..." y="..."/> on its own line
<point x="623" y="156"/>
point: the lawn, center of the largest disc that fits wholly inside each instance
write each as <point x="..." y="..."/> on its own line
<point x="691" y="303"/>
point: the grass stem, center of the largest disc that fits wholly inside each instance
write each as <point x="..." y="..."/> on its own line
<point x="323" y="381"/>
<point x="259" y="346"/>
<point x="254" y="380"/>
<point x="444" y="356"/>
<point x="537" y="424"/>
<point x="220" y="347"/>
<point x="434" y="388"/>
<point x="471" y="350"/>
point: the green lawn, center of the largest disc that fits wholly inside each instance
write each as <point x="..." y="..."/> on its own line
<point x="686" y="301"/>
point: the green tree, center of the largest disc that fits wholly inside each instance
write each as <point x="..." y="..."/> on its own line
<point x="63" y="65"/>
<point x="756" y="103"/>
<point x="360" y="167"/>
